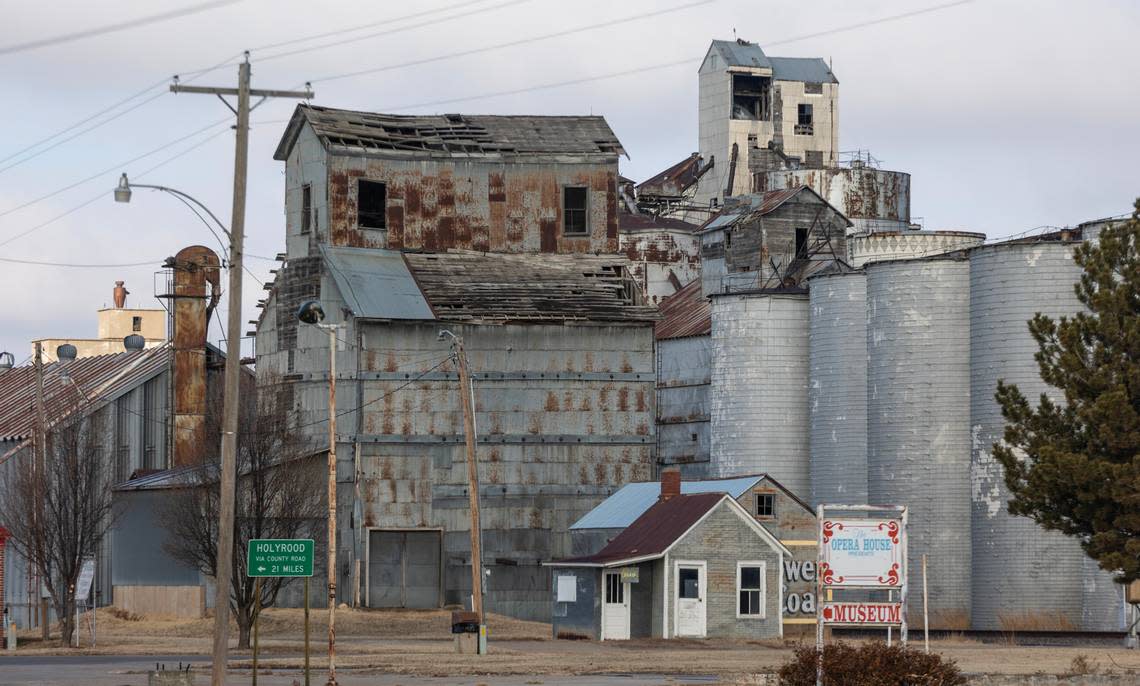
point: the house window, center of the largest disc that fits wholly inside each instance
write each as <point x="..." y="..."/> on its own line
<point x="765" y="505"/>
<point x="750" y="589"/>
<point x="751" y="97"/>
<point x="306" y="208"/>
<point x="615" y="589"/>
<point x="811" y="88"/>
<point x="804" y="120"/>
<point x="688" y="583"/>
<point x="801" y="243"/>
<point x="574" y="201"/>
<point x="136" y="324"/>
<point x="371" y="205"/>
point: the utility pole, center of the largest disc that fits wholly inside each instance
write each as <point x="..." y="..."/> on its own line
<point x="41" y="484"/>
<point x="233" y="351"/>
<point x="467" y="396"/>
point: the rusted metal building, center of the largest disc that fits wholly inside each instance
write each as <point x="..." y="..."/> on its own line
<point x="503" y="230"/>
<point x="664" y="253"/>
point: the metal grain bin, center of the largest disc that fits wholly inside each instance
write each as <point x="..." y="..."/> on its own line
<point x="837" y="388"/>
<point x="758" y="398"/>
<point x="1024" y="577"/>
<point x="918" y="422"/>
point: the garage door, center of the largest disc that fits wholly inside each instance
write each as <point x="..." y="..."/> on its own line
<point x="403" y="569"/>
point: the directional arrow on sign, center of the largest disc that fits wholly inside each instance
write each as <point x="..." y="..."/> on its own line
<point x="261" y="569"/>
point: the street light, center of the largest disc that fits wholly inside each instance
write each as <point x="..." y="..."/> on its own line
<point x="123" y="195"/>
<point x="312" y="313"/>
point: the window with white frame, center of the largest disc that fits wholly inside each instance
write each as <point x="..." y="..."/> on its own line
<point x="750" y="589"/>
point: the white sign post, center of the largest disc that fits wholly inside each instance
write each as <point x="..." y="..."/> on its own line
<point x="83" y="590"/>
<point x="863" y="547"/>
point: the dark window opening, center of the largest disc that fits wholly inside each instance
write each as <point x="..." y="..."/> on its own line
<point x="306" y="208"/>
<point x="801" y="243"/>
<point x="728" y="239"/>
<point x="751" y="97"/>
<point x="615" y="589"/>
<point x="136" y="324"/>
<point x="750" y="591"/>
<point x="574" y="201"/>
<point x="813" y="159"/>
<point x="804" y="121"/>
<point x="688" y="583"/>
<point x="812" y="88"/>
<point x="122" y="439"/>
<point x="694" y="438"/>
<point x="765" y="505"/>
<point x="371" y="205"/>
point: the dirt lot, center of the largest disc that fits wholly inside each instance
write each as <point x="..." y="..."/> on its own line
<point x="417" y="643"/>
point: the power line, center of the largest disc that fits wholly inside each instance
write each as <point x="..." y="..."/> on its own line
<point x="78" y="266"/>
<point x="112" y="28"/>
<point x="872" y="22"/>
<point x="514" y="43"/>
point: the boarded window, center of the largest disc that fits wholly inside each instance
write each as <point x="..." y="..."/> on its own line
<point x="750" y="589"/>
<point x="306" y="208"/>
<point x="811" y="88"/>
<point x="136" y="324"/>
<point x="371" y="205"/>
<point x="804" y="119"/>
<point x="801" y="243"/>
<point x="765" y="505"/>
<point x="813" y="158"/>
<point x="574" y="202"/>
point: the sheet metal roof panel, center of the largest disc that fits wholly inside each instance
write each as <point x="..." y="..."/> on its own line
<point x="739" y="53"/>
<point x="806" y="69"/>
<point x="622" y="508"/>
<point x="376" y="284"/>
<point x="685" y="313"/>
<point x="454" y="134"/>
<point x="102" y="378"/>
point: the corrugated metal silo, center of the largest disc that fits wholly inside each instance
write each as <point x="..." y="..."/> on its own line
<point x="837" y="388"/>
<point x="1024" y="577"/>
<point x="758" y="397"/>
<point x="918" y="423"/>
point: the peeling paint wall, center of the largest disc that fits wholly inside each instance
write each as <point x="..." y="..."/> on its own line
<point x="918" y="421"/>
<point x="857" y="192"/>
<point x="1024" y="577"/>
<point x="863" y="249"/>
<point x="664" y="261"/>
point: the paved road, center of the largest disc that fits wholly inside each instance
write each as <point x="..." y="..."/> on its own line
<point x="130" y="670"/>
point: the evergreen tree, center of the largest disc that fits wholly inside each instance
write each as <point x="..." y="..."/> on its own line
<point x="1075" y="467"/>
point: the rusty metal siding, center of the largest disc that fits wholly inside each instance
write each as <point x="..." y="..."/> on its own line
<point x="837" y="388"/>
<point x="1012" y="589"/>
<point x="857" y="192"/>
<point x="758" y="399"/>
<point x="478" y="205"/>
<point x="918" y="426"/>
<point x="663" y="260"/>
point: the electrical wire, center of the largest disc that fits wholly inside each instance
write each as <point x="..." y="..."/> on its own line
<point x="112" y="28"/>
<point x="514" y="43"/>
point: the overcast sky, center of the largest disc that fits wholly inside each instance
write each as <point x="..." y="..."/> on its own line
<point x="1008" y="114"/>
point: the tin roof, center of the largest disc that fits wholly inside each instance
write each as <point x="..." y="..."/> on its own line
<point x="656" y="529"/>
<point x="753" y="205"/>
<point x="685" y="313"/>
<point x="632" y="500"/>
<point x="376" y="284"/>
<point x="675" y="180"/>
<point x="498" y="288"/>
<point x="741" y="53"/>
<point x="453" y="134"/>
<point x="102" y="378"/>
<point x="177" y="477"/>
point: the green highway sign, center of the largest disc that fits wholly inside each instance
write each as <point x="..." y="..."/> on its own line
<point x="280" y="557"/>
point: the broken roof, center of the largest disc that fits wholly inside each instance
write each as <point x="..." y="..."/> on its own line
<point x="102" y="378"/>
<point x="675" y="180"/>
<point x="453" y="135"/>
<point x="755" y="205"/>
<point x="499" y="288"/>
<point x="741" y="53"/>
<point x="685" y="313"/>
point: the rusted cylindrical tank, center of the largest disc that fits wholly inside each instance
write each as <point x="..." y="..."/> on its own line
<point x="873" y="199"/>
<point x="193" y="268"/>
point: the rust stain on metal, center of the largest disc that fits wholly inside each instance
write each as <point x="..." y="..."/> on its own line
<point x="641" y="404"/>
<point x="623" y="399"/>
<point x="496" y="189"/>
<point x="548" y="229"/>
<point x="551" y="402"/>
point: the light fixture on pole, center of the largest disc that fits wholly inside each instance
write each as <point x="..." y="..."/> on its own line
<point x="312" y="313"/>
<point x="123" y="194"/>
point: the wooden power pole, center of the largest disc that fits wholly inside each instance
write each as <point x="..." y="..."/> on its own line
<point x="40" y="439"/>
<point x="233" y="353"/>
<point x="467" y="397"/>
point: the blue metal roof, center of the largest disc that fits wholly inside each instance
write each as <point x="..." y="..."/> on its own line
<point x="808" y="69"/>
<point x="376" y="284"/>
<point x="632" y="500"/>
<point x="738" y="53"/>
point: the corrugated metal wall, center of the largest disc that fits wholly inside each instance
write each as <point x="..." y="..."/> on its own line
<point x="683" y="369"/>
<point x="758" y="399"/>
<point x="837" y="388"/>
<point x="918" y="428"/>
<point x="1024" y="577"/>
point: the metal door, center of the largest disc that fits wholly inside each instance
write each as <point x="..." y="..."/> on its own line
<point x="689" y="592"/>
<point x="403" y="569"/>
<point x="615" y="608"/>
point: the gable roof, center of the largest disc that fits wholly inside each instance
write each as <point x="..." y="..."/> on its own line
<point x="452" y="135"/>
<point x="675" y="180"/>
<point x="661" y="526"/>
<point x="685" y="313"/>
<point x="632" y="500"/>
<point x="741" y="53"/>
<point x="102" y="378"/>
<point x="753" y="205"/>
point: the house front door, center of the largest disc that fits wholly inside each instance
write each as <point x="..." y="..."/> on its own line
<point x="615" y="608"/>
<point x="689" y="593"/>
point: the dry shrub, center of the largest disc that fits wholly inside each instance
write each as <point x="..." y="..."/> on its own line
<point x="125" y="615"/>
<point x="870" y="664"/>
<point x="1035" y="621"/>
<point x="1082" y="666"/>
